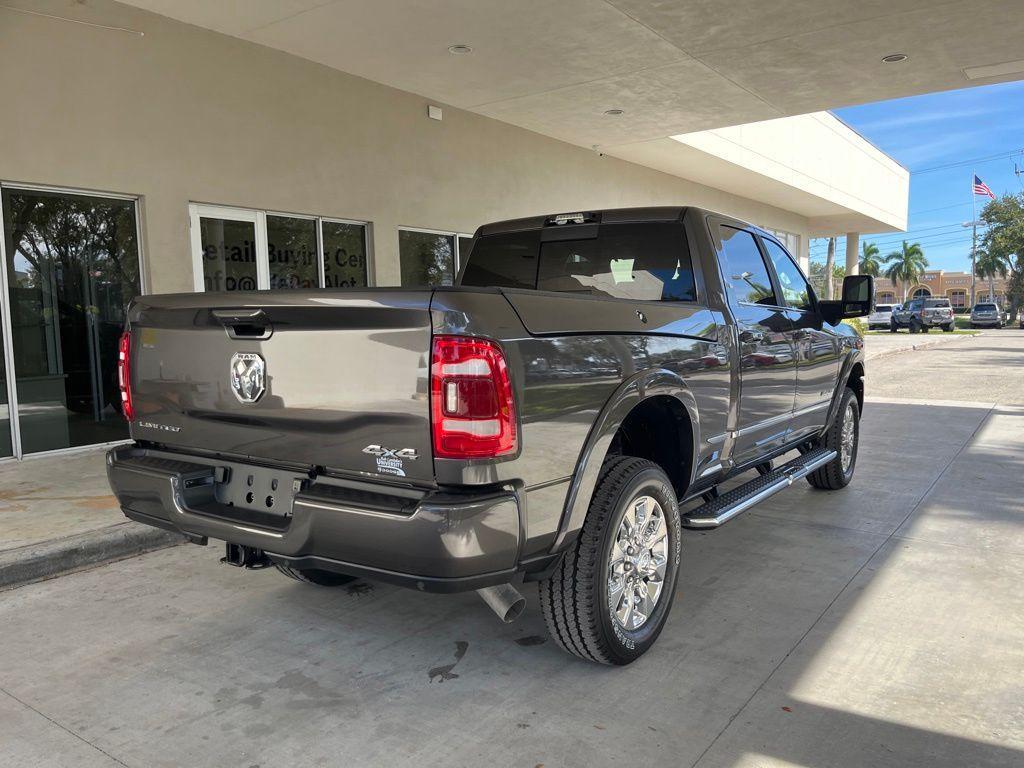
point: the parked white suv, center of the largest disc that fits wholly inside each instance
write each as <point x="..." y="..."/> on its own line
<point x="882" y="316"/>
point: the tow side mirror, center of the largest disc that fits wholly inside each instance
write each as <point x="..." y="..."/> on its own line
<point x="858" y="293"/>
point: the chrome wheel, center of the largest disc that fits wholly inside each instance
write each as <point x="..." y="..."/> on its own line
<point x="637" y="563"/>
<point x="847" y="437"/>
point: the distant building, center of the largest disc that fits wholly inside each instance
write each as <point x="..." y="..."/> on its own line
<point x="956" y="286"/>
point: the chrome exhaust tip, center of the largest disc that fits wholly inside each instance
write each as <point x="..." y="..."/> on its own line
<point x="505" y="601"/>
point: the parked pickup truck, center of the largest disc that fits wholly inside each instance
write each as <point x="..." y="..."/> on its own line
<point x="558" y="417"/>
<point x="922" y="314"/>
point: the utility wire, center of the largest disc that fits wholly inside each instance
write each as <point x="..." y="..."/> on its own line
<point x="964" y="241"/>
<point x="946" y="230"/>
<point x="925" y="239"/>
<point x="960" y="163"/>
<point x="940" y="208"/>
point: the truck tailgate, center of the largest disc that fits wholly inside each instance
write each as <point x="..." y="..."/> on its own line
<point x="341" y="372"/>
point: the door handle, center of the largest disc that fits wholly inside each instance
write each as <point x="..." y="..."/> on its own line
<point x="753" y="337"/>
<point x="244" y="323"/>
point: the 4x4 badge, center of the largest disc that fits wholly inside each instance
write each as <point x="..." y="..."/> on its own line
<point x="389" y="460"/>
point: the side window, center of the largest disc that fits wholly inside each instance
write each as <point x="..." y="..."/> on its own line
<point x="506" y="260"/>
<point x="746" y="275"/>
<point x="794" y="286"/>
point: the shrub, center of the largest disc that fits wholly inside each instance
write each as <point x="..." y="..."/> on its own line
<point x="859" y="324"/>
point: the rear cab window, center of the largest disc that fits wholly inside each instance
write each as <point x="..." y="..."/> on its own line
<point x="935" y="303"/>
<point x="641" y="261"/>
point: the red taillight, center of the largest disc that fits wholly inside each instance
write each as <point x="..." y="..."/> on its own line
<point x="472" y="409"/>
<point x="124" y="374"/>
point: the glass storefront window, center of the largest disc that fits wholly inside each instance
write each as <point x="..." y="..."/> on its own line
<point x="344" y="254"/>
<point x="239" y="249"/>
<point x="292" y="252"/>
<point x="426" y="258"/>
<point x="72" y="267"/>
<point x="229" y="254"/>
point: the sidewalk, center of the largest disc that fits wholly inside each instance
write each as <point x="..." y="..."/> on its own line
<point x="57" y="515"/>
<point x="883" y="345"/>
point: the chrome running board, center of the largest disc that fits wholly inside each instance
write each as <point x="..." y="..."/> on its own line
<point x="740" y="499"/>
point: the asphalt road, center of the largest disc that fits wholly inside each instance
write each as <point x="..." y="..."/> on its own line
<point x="880" y="625"/>
<point x="987" y="367"/>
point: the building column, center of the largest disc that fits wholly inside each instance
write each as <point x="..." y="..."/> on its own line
<point x="852" y="253"/>
<point x="804" y="255"/>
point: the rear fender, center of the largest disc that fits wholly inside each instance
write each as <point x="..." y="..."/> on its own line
<point x="632" y="392"/>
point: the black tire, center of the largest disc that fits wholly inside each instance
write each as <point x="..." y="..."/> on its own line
<point x="315" y="576"/>
<point x="574" y="600"/>
<point x="893" y="327"/>
<point x="833" y="476"/>
<point x="948" y="328"/>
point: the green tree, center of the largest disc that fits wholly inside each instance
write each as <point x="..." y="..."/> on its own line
<point x="818" y="281"/>
<point x="1003" y="241"/>
<point x="870" y="260"/>
<point x="906" y="266"/>
<point x="989" y="265"/>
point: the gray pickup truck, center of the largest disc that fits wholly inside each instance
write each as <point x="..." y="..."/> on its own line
<point x="558" y="417"/>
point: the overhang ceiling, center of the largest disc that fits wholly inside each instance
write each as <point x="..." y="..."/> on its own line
<point x="672" y="66"/>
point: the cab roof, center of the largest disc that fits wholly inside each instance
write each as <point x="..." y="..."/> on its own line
<point x="578" y="217"/>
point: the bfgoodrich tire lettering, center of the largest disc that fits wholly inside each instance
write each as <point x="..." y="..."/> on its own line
<point x="575" y="599"/>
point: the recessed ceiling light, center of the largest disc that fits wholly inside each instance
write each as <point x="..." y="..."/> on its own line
<point x="894" y="58"/>
<point x="458" y="50"/>
<point x="613" y="112"/>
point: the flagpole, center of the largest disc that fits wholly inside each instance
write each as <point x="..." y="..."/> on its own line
<point x="974" y="241"/>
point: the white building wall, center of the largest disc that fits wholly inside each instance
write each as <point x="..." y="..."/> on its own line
<point x="182" y="115"/>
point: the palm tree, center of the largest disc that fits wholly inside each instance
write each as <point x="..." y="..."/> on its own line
<point x="870" y="263"/>
<point x="906" y="266"/>
<point x="830" y="264"/>
<point x="989" y="265"/>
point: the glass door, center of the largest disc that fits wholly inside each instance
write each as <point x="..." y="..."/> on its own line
<point x="227" y="244"/>
<point x="72" y="266"/>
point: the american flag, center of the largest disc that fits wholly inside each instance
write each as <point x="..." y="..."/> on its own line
<point x="981" y="188"/>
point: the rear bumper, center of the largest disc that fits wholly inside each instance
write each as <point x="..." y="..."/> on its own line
<point x="432" y="541"/>
<point x="927" y="322"/>
<point x="991" y="322"/>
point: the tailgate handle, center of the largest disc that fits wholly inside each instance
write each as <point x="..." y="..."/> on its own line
<point x="244" y="323"/>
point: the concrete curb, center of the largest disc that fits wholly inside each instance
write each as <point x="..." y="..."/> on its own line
<point x="922" y="345"/>
<point x="47" y="559"/>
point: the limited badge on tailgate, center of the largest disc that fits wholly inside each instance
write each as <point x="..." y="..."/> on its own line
<point x="390" y="460"/>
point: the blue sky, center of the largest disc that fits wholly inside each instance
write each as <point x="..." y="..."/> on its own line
<point x="968" y="126"/>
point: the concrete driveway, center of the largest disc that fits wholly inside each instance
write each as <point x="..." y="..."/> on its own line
<point x="881" y="625"/>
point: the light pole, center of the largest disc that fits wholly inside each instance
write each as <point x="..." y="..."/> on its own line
<point x="974" y="256"/>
